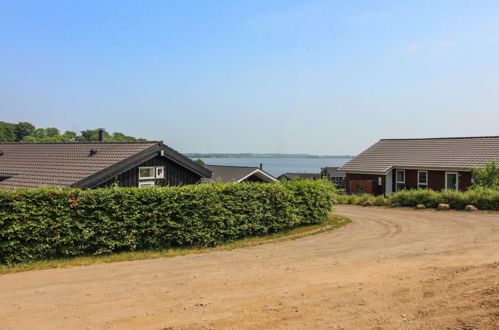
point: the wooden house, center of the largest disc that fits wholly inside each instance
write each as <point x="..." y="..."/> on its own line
<point x="391" y="165"/>
<point x="227" y="174"/>
<point x="95" y="164"/>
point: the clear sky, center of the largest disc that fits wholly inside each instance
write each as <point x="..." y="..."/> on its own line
<point x="320" y="77"/>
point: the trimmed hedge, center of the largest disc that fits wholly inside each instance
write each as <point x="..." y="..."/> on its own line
<point x="48" y="223"/>
<point x="485" y="199"/>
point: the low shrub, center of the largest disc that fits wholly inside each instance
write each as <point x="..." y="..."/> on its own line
<point x="483" y="198"/>
<point x="360" y="199"/>
<point x="48" y="223"/>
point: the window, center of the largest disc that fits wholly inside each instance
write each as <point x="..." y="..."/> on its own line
<point x="422" y="179"/>
<point x="160" y="172"/>
<point x="151" y="172"/>
<point x="400" y="179"/>
<point x="146" y="184"/>
<point x="146" y="173"/>
<point x="451" y="181"/>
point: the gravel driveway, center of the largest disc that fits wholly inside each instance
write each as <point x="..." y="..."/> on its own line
<point x="390" y="268"/>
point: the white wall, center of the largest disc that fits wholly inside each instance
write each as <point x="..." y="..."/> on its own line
<point x="388" y="183"/>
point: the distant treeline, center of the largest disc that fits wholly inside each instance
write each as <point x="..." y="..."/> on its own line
<point x="251" y="155"/>
<point x="27" y="132"/>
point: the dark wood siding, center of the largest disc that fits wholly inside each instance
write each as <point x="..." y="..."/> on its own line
<point x="253" y="178"/>
<point x="371" y="180"/>
<point x="175" y="175"/>
<point x="436" y="180"/>
<point x="411" y="179"/>
<point x="465" y="181"/>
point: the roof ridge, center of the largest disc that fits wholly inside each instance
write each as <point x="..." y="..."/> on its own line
<point x="234" y="166"/>
<point x="83" y="142"/>
<point x="446" y="138"/>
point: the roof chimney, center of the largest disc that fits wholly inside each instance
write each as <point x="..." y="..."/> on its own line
<point x="261" y="166"/>
<point x="101" y="134"/>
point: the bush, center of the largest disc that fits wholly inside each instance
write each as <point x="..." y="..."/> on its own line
<point x="48" y="223"/>
<point x="360" y="199"/>
<point x="483" y="198"/>
<point x="487" y="177"/>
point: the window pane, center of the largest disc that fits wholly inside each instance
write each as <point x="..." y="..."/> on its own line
<point x="146" y="172"/>
<point x="160" y="172"/>
<point x="423" y="177"/>
<point x="451" y="181"/>
<point x="400" y="176"/>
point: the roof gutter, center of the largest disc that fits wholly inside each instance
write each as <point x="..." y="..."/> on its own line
<point x="447" y="169"/>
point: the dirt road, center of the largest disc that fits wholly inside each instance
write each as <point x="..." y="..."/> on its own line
<point x="388" y="269"/>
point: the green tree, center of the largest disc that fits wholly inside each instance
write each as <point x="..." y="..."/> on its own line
<point x="7" y="132"/>
<point x="26" y="132"/>
<point x="200" y="162"/>
<point x="23" y="129"/>
<point x="38" y="134"/>
<point x="69" y="136"/>
<point x="52" y="132"/>
<point x="93" y="135"/>
<point x="487" y="177"/>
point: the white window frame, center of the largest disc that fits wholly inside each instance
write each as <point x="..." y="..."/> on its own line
<point x="397" y="179"/>
<point x="158" y="176"/>
<point x="457" y="180"/>
<point x="423" y="185"/>
<point x="147" y="184"/>
<point x="148" y="177"/>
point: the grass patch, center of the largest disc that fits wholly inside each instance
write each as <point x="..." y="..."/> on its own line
<point x="332" y="222"/>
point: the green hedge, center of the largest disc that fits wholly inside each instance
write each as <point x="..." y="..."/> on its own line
<point x="48" y="223"/>
<point x="485" y="199"/>
<point x="360" y="199"/>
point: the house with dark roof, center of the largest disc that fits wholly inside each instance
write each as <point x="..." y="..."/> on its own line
<point x="391" y="165"/>
<point x="335" y="176"/>
<point x="300" y="176"/>
<point x="95" y="164"/>
<point x="227" y="174"/>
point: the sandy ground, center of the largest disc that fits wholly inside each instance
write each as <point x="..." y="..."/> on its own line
<point x="389" y="269"/>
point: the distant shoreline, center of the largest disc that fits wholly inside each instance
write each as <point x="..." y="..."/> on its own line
<point x="244" y="155"/>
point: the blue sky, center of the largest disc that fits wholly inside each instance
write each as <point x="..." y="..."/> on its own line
<point x="320" y="77"/>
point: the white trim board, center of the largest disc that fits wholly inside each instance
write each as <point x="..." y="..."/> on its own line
<point x="257" y="171"/>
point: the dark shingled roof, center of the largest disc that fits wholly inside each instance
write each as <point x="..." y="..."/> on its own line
<point x="63" y="164"/>
<point x="300" y="176"/>
<point x="461" y="153"/>
<point x="332" y="172"/>
<point x="224" y="173"/>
